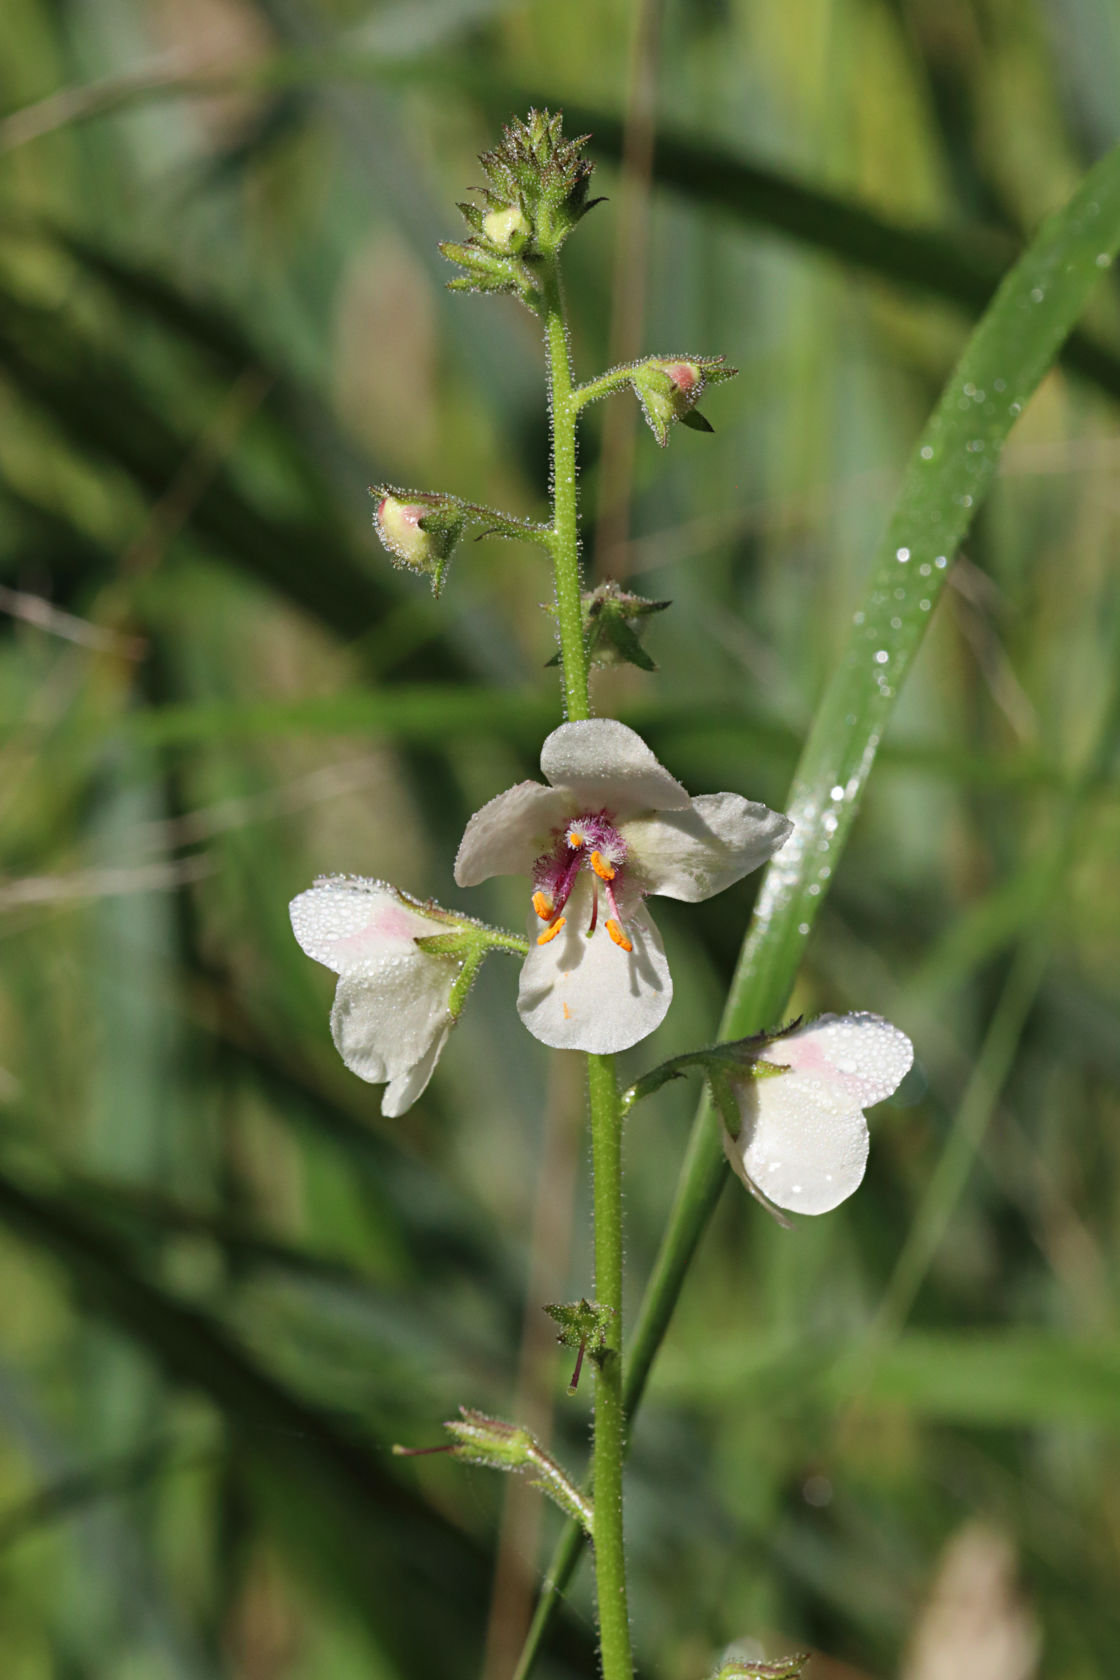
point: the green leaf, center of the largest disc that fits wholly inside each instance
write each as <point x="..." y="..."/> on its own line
<point x="949" y="473"/>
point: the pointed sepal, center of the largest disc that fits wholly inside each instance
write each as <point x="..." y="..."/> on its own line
<point x="584" y="1326"/>
<point x="614" y="621"/>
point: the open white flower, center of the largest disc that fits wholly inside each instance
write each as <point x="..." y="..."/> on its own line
<point x="611" y="827"/>
<point x="392" y="1007"/>
<point x="803" y="1136"/>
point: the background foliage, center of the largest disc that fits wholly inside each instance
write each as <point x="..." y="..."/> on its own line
<point x="228" y="1284"/>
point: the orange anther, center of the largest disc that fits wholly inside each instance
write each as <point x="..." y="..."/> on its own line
<point x="575" y="839"/>
<point x="605" y="871"/>
<point x="615" y="930"/>
<point x="551" y="932"/>
<point x="542" y="904"/>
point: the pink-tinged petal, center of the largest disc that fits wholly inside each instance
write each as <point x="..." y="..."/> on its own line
<point x="351" y="924"/>
<point x="693" y="854"/>
<point x="390" y="1027"/>
<point x="605" y="765"/>
<point x="860" y="1054"/>
<point x="580" y="993"/>
<point x="509" y="833"/>
<point x="804" y="1138"/>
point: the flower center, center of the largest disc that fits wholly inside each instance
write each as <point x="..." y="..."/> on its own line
<point x="590" y="842"/>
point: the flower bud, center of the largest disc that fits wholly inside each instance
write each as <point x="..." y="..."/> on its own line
<point x="420" y="529"/>
<point x="669" y="387"/>
<point x="508" y="228"/>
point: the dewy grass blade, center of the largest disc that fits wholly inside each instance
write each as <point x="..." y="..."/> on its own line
<point x="948" y="475"/>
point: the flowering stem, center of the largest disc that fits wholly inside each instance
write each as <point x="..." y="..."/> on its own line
<point x="609" y="1441"/>
<point x="609" y="1445"/>
<point x="563" y="408"/>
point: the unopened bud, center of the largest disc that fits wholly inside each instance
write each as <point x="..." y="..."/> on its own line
<point x="509" y="228"/>
<point x="669" y="387"/>
<point x="419" y="530"/>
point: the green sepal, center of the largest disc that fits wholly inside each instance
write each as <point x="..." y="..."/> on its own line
<point x="468" y="944"/>
<point x="783" y="1668"/>
<point x="696" y="422"/>
<point x="581" y="1323"/>
<point x="613" y="620"/>
<point x="509" y="1446"/>
<point x="458" y="944"/>
<point x="735" y="1059"/>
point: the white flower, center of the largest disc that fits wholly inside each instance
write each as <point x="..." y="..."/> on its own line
<point x="611" y="827"/>
<point x="392" y="1007"/>
<point x="803" y="1137"/>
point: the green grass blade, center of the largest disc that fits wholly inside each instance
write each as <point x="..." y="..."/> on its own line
<point x="948" y="475"/>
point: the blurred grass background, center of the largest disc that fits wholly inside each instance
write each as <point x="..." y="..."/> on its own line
<point x="227" y="1284"/>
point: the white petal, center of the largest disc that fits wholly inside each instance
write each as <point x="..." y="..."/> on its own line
<point x="509" y="833"/>
<point x="695" y="853"/>
<point x="404" y="1088"/>
<point x="803" y="1143"/>
<point x="861" y="1055"/>
<point x="606" y="765"/>
<point x="589" y="994"/>
<point x="350" y="924"/>
<point x="391" y="1026"/>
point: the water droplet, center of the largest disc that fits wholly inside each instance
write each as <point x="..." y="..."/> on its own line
<point x="803" y="928"/>
<point x="924" y="605"/>
<point x="814" y="890"/>
<point x="974" y="445"/>
<point x="999" y="384"/>
<point x="925" y="569"/>
<point x="1015" y="408"/>
<point x="858" y="618"/>
<point x="896" y="624"/>
<point x="927" y="452"/>
<point x="1104" y="260"/>
<point x="902" y="555"/>
<point x="941" y="562"/>
<point x="1037" y="294"/>
<point x="881" y="656"/>
<point x="836" y="793"/>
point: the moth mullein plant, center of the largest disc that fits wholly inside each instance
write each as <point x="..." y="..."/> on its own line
<point x="607" y="829"/>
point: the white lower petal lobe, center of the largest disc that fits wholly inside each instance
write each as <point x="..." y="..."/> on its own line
<point x="580" y="993"/>
<point x="803" y="1147"/>
<point x="602" y="763"/>
<point x="510" y="832"/>
<point x="390" y="1025"/>
<point x="693" y="854"/>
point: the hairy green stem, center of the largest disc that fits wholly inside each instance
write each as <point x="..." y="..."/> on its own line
<point x="609" y="1440"/>
<point x="593" y="390"/>
<point x="609" y="1446"/>
<point x="563" y="408"/>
